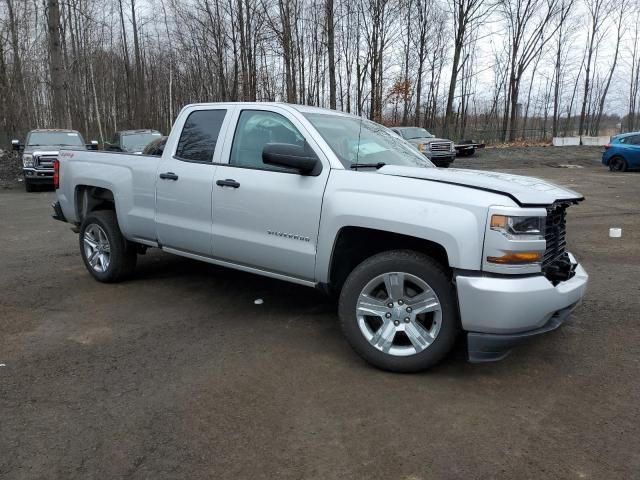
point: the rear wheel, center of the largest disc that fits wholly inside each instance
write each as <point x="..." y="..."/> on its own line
<point x="617" y="164"/>
<point x="398" y="311"/>
<point x="107" y="255"/>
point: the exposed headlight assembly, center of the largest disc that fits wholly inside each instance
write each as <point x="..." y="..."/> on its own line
<point x="27" y="160"/>
<point x="514" y="241"/>
<point x="523" y="228"/>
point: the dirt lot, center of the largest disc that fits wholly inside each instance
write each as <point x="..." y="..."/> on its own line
<point x="177" y="374"/>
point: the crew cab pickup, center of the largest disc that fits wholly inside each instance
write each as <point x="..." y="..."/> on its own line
<point x="416" y="254"/>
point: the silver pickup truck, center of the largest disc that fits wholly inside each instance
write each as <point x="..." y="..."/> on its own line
<point x="329" y="200"/>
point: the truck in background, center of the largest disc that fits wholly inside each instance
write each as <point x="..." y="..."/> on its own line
<point x="40" y="149"/>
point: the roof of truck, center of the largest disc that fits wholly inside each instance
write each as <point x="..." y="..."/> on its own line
<point x="300" y="108"/>
<point x="40" y="130"/>
<point x="140" y="130"/>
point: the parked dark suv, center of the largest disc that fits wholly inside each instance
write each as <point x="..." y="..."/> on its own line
<point x="132" y="141"/>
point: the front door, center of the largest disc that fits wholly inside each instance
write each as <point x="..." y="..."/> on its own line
<point x="184" y="184"/>
<point x="264" y="216"/>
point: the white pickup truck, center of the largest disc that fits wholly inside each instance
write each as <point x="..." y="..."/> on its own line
<point x="320" y="198"/>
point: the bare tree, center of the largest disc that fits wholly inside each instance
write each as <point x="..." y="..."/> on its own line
<point x="598" y="12"/>
<point x="634" y="84"/>
<point x="530" y="29"/>
<point x="561" y="52"/>
<point x="56" y="67"/>
<point x="465" y="14"/>
<point x="622" y="10"/>
<point x="331" y="53"/>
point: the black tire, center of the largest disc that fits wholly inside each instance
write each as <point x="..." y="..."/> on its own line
<point x="29" y="187"/>
<point x="422" y="267"/>
<point x="617" y="164"/>
<point x="122" y="253"/>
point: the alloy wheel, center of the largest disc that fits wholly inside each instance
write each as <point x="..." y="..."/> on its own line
<point x="97" y="249"/>
<point x="399" y="314"/>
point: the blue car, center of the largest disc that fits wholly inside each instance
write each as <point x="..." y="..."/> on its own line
<point x="623" y="152"/>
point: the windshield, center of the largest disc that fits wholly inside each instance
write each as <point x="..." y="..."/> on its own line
<point x="137" y="141"/>
<point x="414" y="132"/>
<point x="353" y="140"/>
<point x="63" y="139"/>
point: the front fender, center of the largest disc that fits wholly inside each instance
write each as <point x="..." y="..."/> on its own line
<point x="454" y="217"/>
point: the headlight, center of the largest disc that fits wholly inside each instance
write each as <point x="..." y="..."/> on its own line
<point x="453" y="148"/>
<point x="514" y="240"/>
<point x="27" y="160"/>
<point x="422" y="147"/>
<point x="519" y="228"/>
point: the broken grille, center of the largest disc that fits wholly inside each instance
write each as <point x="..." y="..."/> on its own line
<point x="555" y="233"/>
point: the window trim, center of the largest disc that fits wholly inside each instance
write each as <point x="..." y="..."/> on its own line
<point x="290" y="120"/>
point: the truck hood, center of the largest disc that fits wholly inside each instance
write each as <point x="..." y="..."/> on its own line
<point x="526" y="191"/>
<point x="428" y="140"/>
<point x="51" y="149"/>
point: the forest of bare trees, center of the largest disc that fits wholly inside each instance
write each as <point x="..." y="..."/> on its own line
<point x="499" y="70"/>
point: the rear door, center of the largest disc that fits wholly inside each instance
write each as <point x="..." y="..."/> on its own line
<point x="185" y="179"/>
<point x="264" y="216"/>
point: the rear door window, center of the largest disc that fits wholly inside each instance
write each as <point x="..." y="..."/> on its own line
<point x="200" y="135"/>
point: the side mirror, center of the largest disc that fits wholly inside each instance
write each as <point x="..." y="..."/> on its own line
<point x="292" y="156"/>
<point x="15" y="145"/>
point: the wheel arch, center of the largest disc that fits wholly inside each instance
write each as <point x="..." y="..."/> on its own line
<point x="89" y="198"/>
<point x="353" y="245"/>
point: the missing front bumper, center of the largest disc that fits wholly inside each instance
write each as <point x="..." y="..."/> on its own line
<point x="489" y="347"/>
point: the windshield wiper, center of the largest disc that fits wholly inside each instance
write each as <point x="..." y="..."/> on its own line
<point x="378" y="165"/>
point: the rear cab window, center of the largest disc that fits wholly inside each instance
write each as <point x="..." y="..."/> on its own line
<point x="199" y="136"/>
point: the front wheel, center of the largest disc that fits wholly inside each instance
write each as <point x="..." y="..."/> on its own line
<point x="398" y="311"/>
<point x="108" y="256"/>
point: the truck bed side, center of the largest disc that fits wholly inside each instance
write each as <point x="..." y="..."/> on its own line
<point x="130" y="179"/>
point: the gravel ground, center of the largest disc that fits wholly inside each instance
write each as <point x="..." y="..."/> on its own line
<point x="178" y="374"/>
<point x="10" y="169"/>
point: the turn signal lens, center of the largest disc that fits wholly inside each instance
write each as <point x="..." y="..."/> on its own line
<point x="516" y="258"/>
<point x="498" y="221"/>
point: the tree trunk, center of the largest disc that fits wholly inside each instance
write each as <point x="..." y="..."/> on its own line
<point x="457" y="50"/>
<point x="56" y="68"/>
<point x="141" y="100"/>
<point x="331" y="54"/>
